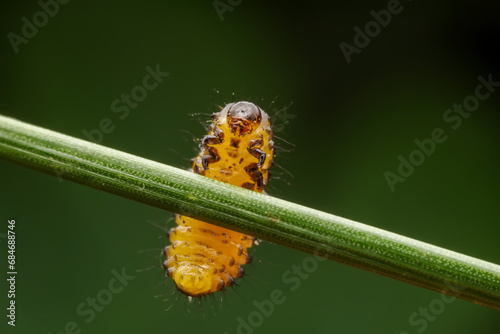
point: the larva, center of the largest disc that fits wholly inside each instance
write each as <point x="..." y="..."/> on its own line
<point x="238" y="149"/>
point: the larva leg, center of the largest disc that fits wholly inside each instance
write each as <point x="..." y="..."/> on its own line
<point x="254" y="172"/>
<point x="254" y="149"/>
<point x="216" y="138"/>
<point x="198" y="169"/>
<point x="212" y="156"/>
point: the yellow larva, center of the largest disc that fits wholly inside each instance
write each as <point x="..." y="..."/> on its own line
<point x="238" y="149"/>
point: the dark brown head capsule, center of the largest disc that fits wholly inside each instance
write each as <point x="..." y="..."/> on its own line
<point x="243" y="116"/>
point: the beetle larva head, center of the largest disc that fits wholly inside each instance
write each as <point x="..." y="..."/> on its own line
<point x="243" y="117"/>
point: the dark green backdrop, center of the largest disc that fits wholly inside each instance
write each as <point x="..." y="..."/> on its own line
<point x="348" y="124"/>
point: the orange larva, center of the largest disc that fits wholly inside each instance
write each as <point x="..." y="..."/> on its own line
<point x="238" y="149"/>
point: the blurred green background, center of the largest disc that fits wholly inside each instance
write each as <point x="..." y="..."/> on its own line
<point x="348" y="124"/>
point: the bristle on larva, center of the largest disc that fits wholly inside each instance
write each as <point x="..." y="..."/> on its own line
<point x="238" y="149"/>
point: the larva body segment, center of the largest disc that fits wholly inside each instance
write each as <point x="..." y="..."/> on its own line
<point x="238" y="149"/>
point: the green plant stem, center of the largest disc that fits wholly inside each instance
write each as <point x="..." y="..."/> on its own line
<point x="260" y="215"/>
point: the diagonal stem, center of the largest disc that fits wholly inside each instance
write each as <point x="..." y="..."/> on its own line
<point x="260" y="215"/>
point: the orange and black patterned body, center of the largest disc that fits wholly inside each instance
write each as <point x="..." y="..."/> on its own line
<point x="204" y="258"/>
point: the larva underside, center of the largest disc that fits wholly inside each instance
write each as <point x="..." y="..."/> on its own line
<point x="238" y="149"/>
